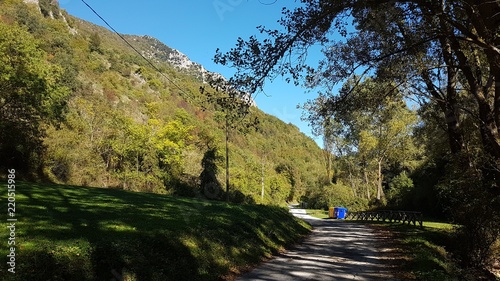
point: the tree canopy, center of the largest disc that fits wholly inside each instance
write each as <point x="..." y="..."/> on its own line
<point x="31" y="92"/>
<point x="420" y="44"/>
<point x="444" y="56"/>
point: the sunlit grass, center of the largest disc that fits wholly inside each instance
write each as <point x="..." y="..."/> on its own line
<point x="321" y="214"/>
<point x="439" y="225"/>
<point x="78" y="233"/>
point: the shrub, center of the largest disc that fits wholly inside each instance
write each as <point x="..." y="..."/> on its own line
<point x="332" y="195"/>
<point x="476" y="211"/>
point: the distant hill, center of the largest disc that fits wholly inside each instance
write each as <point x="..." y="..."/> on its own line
<point x="126" y="125"/>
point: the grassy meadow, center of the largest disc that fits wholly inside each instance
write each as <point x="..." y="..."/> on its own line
<point x="79" y="233"/>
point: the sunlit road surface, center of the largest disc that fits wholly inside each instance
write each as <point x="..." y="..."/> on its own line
<point x="335" y="250"/>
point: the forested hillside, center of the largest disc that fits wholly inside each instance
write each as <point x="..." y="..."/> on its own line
<point x="415" y="124"/>
<point x="79" y="106"/>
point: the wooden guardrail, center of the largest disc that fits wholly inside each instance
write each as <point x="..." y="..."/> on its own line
<point x="391" y="216"/>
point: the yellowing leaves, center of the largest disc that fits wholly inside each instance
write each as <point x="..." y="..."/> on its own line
<point x="169" y="139"/>
<point x="367" y="141"/>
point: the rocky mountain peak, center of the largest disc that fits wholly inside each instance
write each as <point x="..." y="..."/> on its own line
<point x="156" y="50"/>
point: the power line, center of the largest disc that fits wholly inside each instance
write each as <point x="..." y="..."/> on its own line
<point x="133" y="48"/>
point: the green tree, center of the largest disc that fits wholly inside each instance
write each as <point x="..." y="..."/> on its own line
<point x="400" y="188"/>
<point x="235" y="106"/>
<point x="388" y="138"/>
<point x="30" y="95"/>
<point x="95" y="43"/>
<point x="170" y="140"/>
<point x="432" y="49"/>
<point x="378" y="131"/>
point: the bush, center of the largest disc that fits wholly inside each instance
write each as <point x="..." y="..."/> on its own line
<point x="332" y="195"/>
<point x="399" y="188"/>
<point x="476" y="211"/>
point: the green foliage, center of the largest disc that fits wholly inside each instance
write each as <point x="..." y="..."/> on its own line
<point x="31" y="93"/>
<point x="476" y="234"/>
<point x="399" y="189"/>
<point x="95" y="43"/>
<point x="370" y="135"/>
<point x="170" y="140"/>
<point x="45" y="7"/>
<point x="113" y="121"/>
<point x="334" y="195"/>
<point x="27" y="17"/>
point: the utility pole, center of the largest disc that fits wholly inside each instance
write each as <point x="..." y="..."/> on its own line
<point x="227" y="98"/>
<point x="227" y="159"/>
<point x="262" y="191"/>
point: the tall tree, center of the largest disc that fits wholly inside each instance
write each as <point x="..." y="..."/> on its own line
<point x="30" y="95"/>
<point x="234" y="104"/>
<point x="451" y="32"/>
<point x="378" y="129"/>
<point x="449" y="46"/>
<point x="387" y="138"/>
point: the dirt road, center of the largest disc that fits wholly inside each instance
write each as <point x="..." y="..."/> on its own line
<point x="335" y="250"/>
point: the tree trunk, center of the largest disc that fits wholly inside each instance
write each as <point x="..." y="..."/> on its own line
<point x="353" y="186"/>
<point x="262" y="182"/>
<point x="328" y="158"/>
<point x="365" y="178"/>
<point x="450" y="104"/>
<point x="380" y="191"/>
<point x="491" y="147"/>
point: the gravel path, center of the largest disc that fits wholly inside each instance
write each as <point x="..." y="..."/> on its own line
<point x="335" y="250"/>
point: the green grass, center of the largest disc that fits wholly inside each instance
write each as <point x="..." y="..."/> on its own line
<point x="321" y="214"/>
<point x="78" y="233"/>
<point x="427" y="250"/>
<point x="438" y="225"/>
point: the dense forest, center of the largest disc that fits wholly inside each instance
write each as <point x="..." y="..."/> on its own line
<point x="416" y="131"/>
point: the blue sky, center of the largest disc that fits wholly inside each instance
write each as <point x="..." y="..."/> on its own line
<point x="197" y="28"/>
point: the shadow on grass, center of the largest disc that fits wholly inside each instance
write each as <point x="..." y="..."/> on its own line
<point x="76" y="233"/>
<point x="427" y="251"/>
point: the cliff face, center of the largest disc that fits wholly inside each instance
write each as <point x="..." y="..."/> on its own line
<point x="156" y="50"/>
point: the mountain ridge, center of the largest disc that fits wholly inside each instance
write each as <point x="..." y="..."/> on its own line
<point x="161" y="52"/>
<point x="131" y="126"/>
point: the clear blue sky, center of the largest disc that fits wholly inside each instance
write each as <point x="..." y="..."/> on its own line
<point x="197" y="28"/>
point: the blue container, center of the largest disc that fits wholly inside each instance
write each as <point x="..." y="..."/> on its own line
<point x="335" y="212"/>
<point x="340" y="213"/>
